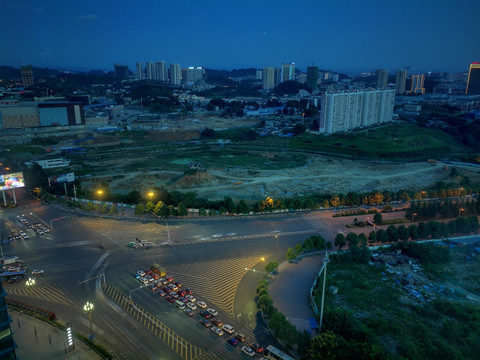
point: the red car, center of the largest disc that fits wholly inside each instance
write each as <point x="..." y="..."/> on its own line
<point x="170" y="299"/>
<point x="181" y="293"/>
<point x="257" y="348"/>
<point x="217" y="322"/>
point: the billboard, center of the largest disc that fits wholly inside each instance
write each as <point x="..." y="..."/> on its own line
<point x="10" y="181"/>
<point x="60" y="179"/>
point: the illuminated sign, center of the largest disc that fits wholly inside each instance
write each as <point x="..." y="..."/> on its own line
<point x="11" y="181"/>
<point x="71" y="344"/>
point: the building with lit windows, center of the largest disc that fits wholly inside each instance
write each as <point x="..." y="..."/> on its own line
<point x="473" y="82"/>
<point x="417" y="86"/>
<point x="344" y="111"/>
<point x="288" y="72"/>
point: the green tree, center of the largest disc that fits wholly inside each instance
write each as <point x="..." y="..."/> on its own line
<point x="182" y="209"/>
<point x="290" y="254"/>
<point x="202" y="212"/>
<point x="340" y="240"/>
<point x="298" y="249"/>
<point x="113" y="210"/>
<point x="372" y="237"/>
<point x="362" y="238"/>
<point x="413" y="231"/>
<point x="378" y="219"/>
<point x="403" y="233"/>
<point x="222" y="210"/>
<point x="423" y="230"/>
<point x="382" y="236"/>
<point x="271" y="266"/>
<point x="352" y="239"/>
<point x="242" y="207"/>
<point x="89" y="206"/>
<point x="149" y="206"/>
<point x="325" y="346"/>
<point x="158" y="207"/>
<point x="229" y="204"/>
<point x="392" y="232"/>
<point x="139" y="209"/>
<point x="104" y="209"/>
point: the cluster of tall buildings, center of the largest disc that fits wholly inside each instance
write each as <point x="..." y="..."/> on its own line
<point x="175" y="75"/>
<point x="272" y="77"/>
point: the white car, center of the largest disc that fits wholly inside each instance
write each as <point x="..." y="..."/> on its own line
<point x="212" y="311"/>
<point x="191" y="298"/>
<point x="228" y="328"/>
<point x="141" y="273"/>
<point x="192" y="306"/>
<point x="202" y="304"/>
<point x="37" y="272"/>
<point x="247" y="351"/>
<point x="217" y="330"/>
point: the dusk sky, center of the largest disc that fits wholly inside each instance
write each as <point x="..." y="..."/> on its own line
<point x="344" y="36"/>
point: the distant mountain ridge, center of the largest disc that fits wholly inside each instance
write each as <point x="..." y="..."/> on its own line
<point x="12" y="73"/>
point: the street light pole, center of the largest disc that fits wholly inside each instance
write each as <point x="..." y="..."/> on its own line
<point x="323" y="291"/>
<point x="88" y="307"/>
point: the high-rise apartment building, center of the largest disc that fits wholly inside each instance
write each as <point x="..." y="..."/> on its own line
<point x="268" y="77"/>
<point x="417" y="86"/>
<point x="121" y="71"/>
<point x="382" y="78"/>
<point x="175" y="74"/>
<point x="258" y="75"/>
<point x="140" y="71"/>
<point x="27" y="76"/>
<point x="278" y="76"/>
<point x="347" y="110"/>
<point x="161" y="71"/>
<point x="400" y="81"/>
<point x="473" y="82"/>
<point x="150" y="70"/>
<point x="312" y="77"/>
<point x="288" y="72"/>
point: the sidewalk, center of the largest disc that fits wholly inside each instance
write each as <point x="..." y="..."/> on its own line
<point x="290" y="289"/>
<point x="38" y="340"/>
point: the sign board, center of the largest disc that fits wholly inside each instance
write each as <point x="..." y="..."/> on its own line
<point x="60" y="179"/>
<point x="10" y="181"/>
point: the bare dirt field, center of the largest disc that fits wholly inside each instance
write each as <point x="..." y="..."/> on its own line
<point x="319" y="175"/>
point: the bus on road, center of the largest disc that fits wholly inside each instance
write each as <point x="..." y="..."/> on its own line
<point x="271" y="352"/>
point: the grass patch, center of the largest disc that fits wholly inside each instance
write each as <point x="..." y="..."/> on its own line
<point x="27" y="149"/>
<point x="395" y="221"/>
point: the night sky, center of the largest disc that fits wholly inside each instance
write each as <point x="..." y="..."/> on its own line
<point x="346" y="36"/>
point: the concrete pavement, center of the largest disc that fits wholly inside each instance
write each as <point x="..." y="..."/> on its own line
<point x="290" y="288"/>
<point x="38" y="340"/>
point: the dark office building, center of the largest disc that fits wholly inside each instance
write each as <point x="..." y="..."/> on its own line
<point x="27" y="76"/>
<point x="7" y="345"/>
<point x="473" y="83"/>
<point x="121" y="71"/>
<point x="61" y="113"/>
<point x="312" y="77"/>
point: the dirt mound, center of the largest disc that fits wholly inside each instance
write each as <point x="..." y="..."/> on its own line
<point x="196" y="179"/>
<point x="173" y="135"/>
<point x="103" y="139"/>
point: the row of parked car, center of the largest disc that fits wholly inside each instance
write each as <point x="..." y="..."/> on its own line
<point x="183" y="297"/>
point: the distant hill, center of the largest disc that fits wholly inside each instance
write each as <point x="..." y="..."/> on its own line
<point x="236" y="73"/>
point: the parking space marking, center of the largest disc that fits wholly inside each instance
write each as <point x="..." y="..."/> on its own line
<point x="183" y="348"/>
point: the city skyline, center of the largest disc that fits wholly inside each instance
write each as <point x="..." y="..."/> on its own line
<point x="348" y="37"/>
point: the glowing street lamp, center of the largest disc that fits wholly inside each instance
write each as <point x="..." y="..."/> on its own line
<point x="460" y="211"/>
<point x="100" y="193"/>
<point x="413" y="216"/>
<point x="460" y="189"/>
<point x="88" y="307"/>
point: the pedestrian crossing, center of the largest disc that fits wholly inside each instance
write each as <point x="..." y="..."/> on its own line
<point x="174" y="341"/>
<point x="46" y="291"/>
<point x="215" y="280"/>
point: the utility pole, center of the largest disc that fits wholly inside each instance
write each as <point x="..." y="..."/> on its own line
<point x="323" y="291"/>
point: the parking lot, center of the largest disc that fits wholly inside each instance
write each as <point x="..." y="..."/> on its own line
<point x="181" y="307"/>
